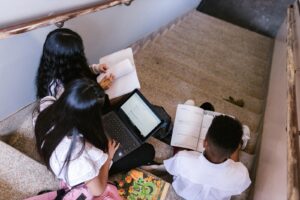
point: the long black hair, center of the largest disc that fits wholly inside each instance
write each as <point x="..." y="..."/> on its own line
<point x="76" y="114"/>
<point x="62" y="61"/>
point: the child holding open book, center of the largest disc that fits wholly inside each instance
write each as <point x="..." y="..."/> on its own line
<point x="191" y="125"/>
<point x="212" y="174"/>
<point x="71" y="140"/>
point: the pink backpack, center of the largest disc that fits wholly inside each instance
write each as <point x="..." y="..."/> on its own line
<point x="80" y="193"/>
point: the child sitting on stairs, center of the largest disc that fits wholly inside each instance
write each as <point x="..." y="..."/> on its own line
<point x="216" y="173"/>
<point x="211" y="175"/>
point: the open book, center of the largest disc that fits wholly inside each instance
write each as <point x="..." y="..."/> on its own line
<point x="139" y="184"/>
<point x="121" y="65"/>
<point x="191" y="125"/>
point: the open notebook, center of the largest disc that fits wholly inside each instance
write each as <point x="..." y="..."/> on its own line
<point x="121" y="65"/>
<point x="191" y="125"/>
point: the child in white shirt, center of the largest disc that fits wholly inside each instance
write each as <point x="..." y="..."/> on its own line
<point x="71" y="140"/>
<point x="211" y="175"/>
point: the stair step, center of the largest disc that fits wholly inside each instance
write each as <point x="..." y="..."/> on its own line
<point x="196" y="76"/>
<point x="22" y="177"/>
<point x="201" y="38"/>
<point x="259" y="45"/>
<point x="173" y="90"/>
<point x="220" y="48"/>
<point x="223" y="76"/>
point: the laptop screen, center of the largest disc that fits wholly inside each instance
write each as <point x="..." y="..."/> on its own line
<point x="140" y="114"/>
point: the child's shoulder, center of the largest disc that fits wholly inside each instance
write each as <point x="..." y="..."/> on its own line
<point x="238" y="168"/>
<point x="182" y="162"/>
<point x="238" y="173"/>
<point x="233" y="165"/>
<point x="183" y="157"/>
<point x="188" y="154"/>
<point x="238" y="178"/>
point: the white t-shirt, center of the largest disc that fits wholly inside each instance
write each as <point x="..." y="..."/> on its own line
<point x="84" y="165"/>
<point x="195" y="178"/>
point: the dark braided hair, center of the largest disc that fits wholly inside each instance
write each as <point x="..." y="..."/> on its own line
<point x="62" y="61"/>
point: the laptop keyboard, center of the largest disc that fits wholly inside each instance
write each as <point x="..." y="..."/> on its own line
<point x="118" y="131"/>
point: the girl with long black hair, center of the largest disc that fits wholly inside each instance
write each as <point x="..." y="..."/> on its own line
<point x="63" y="60"/>
<point x="71" y="140"/>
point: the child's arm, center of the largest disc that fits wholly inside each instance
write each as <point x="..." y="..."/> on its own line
<point x="160" y="168"/>
<point x="106" y="82"/>
<point x="98" y="68"/>
<point x="98" y="184"/>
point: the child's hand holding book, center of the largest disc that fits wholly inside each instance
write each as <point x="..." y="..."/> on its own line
<point x="106" y="81"/>
<point x="121" y="65"/>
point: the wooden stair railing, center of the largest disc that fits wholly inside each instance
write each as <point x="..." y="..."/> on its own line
<point x="58" y="18"/>
<point x="292" y="124"/>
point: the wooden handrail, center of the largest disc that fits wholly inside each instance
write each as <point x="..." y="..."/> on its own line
<point x="292" y="124"/>
<point x="61" y="17"/>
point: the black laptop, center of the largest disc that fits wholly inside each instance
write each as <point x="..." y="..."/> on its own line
<point x="131" y="123"/>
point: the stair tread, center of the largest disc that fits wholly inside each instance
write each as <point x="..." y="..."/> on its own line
<point x="219" y="58"/>
<point x="238" y="48"/>
<point x="197" y="77"/>
<point x="232" y="29"/>
<point x="200" y="66"/>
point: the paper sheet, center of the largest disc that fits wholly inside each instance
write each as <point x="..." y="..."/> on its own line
<point x="128" y="81"/>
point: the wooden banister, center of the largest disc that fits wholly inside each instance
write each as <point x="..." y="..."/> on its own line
<point x="292" y="124"/>
<point x="58" y="18"/>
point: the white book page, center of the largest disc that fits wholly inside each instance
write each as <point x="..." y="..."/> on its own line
<point x="120" y="69"/>
<point x="127" y="79"/>
<point x="114" y="58"/>
<point x="187" y="126"/>
<point x="206" y="122"/>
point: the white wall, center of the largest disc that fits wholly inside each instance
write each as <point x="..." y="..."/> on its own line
<point x="15" y="10"/>
<point x="271" y="176"/>
<point x="103" y="32"/>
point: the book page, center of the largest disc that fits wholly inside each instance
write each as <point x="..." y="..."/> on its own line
<point x="128" y="81"/>
<point x="206" y="122"/>
<point x="120" y="69"/>
<point x="187" y="126"/>
<point x="116" y="57"/>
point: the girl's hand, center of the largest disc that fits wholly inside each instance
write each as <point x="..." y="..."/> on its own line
<point x="102" y="68"/>
<point x="106" y="82"/>
<point x="112" y="148"/>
